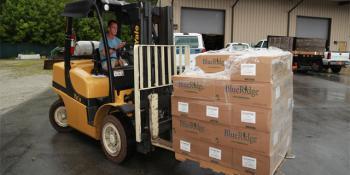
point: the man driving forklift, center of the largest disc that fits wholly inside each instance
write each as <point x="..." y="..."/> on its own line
<point x="114" y="45"/>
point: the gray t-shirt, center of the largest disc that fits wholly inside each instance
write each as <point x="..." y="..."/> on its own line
<point x="112" y="43"/>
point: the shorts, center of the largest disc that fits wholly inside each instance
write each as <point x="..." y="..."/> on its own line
<point x="104" y="64"/>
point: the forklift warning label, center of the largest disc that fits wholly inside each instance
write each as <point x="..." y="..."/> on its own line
<point x="185" y="146"/>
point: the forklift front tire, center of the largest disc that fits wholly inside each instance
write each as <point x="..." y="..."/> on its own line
<point x="115" y="139"/>
<point x="58" y="117"/>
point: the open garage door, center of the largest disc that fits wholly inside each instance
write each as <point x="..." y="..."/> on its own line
<point x="311" y="27"/>
<point x="210" y="23"/>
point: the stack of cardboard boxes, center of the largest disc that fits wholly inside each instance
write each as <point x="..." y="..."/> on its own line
<point x="236" y="111"/>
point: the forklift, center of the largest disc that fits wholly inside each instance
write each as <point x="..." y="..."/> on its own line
<point x="126" y="108"/>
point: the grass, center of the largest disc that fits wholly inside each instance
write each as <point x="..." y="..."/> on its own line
<point x="20" y="68"/>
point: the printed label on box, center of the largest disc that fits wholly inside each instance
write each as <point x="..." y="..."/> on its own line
<point x="213" y="111"/>
<point x="185" y="146"/>
<point x="248" y="69"/>
<point x="249" y="162"/>
<point x="278" y="92"/>
<point x="182" y="107"/>
<point x="275" y="138"/>
<point x="215" y="153"/>
<point x="248" y="117"/>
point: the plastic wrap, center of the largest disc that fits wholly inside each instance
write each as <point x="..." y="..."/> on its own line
<point x="251" y="93"/>
<point x="236" y="122"/>
<point x="257" y="65"/>
<point x="234" y="114"/>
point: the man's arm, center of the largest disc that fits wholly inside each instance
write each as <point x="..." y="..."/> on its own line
<point x="102" y="49"/>
<point x="111" y="50"/>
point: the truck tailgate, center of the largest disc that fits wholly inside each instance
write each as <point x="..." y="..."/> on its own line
<point x="340" y="56"/>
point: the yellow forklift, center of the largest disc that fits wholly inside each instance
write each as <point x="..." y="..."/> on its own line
<point x="127" y="108"/>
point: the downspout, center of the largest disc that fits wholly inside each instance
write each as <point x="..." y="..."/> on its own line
<point x="232" y="17"/>
<point x="172" y="13"/>
<point x="290" y="11"/>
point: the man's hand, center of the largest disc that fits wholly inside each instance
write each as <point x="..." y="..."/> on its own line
<point x="121" y="45"/>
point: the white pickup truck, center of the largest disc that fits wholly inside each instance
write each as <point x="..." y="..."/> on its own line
<point x="336" y="60"/>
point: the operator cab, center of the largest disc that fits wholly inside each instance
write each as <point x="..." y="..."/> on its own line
<point x="126" y="100"/>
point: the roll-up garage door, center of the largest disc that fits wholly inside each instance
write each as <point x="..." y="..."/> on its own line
<point x="202" y="21"/>
<point x="310" y="27"/>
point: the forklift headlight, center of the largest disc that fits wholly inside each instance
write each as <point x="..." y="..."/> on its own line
<point x="106" y="7"/>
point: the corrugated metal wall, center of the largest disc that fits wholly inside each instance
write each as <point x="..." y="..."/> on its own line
<point x="255" y="19"/>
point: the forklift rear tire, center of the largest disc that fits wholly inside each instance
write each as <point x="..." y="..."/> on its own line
<point x="58" y="117"/>
<point x="116" y="139"/>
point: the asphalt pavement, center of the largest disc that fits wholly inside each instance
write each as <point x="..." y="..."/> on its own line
<point x="321" y="138"/>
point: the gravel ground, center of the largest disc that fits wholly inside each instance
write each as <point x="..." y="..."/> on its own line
<point x="20" y="81"/>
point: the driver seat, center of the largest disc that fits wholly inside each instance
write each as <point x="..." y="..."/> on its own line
<point x="97" y="70"/>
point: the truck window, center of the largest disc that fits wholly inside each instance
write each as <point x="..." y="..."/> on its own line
<point x="259" y="44"/>
<point x="192" y="41"/>
<point x="265" y="44"/>
<point x="239" y="47"/>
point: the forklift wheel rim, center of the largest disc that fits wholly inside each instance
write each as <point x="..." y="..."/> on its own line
<point x="61" y="116"/>
<point x="111" y="139"/>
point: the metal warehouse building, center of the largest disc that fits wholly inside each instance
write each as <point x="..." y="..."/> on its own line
<point x="224" y="21"/>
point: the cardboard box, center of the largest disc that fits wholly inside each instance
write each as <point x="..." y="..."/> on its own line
<point x="197" y="88"/>
<point x="256" y="94"/>
<point x="250" y="163"/>
<point x="213" y="62"/>
<point x="234" y="114"/>
<point x="252" y="66"/>
<point x="255" y="68"/>
<point x="245" y="161"/>
<point x="234" y="137"/>
<point x="197" y="149"/>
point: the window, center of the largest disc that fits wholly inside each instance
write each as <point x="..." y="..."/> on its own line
<point x="192" y="41"/>
<point x="259" y="44"/>
<point x="239" y="47"/>
<point x="265" y="44"/>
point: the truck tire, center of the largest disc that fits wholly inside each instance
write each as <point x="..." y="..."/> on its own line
<point x="58" y="117"/>
<point x="325" y="68"/>
<point x="116" y="139"/>
<point x="336" y="69"/>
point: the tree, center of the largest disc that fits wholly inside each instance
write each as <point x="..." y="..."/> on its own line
<point x="39" y="21"/>
<point x="35" y="21"/>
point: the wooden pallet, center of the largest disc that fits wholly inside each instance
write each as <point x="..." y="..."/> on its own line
<point x="205" y="164"/>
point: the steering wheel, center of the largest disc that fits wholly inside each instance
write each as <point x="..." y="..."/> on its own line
<point x="126" y="54"/>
